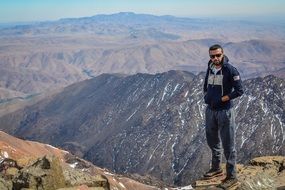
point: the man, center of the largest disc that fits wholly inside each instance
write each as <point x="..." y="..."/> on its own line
<point x="222" y="85"/>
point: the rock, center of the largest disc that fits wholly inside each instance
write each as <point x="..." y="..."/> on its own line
<point x="10" y="172"/>
<point x="82" y="187"/>
<point x="269" y="162"/>
<point x="280" y="180"/>
<point x="26" y="161"/>
<point x="48" y="173"/>
<point x="264" y="173"/>
<point x="5" y="184"/>
<point x="259" y="181"/>
<point x="6" y="163"/>
<point x="44" y="173"/>
<point x="80" y="164"/>
<point x="75" y="177"/>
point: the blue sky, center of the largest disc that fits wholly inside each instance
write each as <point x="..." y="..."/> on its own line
<point x="41" y="10"/>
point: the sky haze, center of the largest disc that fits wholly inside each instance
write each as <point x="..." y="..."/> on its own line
<point x="37" y="10"/>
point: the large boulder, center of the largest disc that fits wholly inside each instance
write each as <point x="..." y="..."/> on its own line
<point x="47" y="173"/>
<point x="266" y="173"/>
<point x="44" y="173"/>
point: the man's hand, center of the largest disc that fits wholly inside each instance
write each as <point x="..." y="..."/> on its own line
<point x="225" y="98"/>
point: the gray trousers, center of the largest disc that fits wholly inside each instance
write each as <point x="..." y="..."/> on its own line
<point x="220" y="128"/>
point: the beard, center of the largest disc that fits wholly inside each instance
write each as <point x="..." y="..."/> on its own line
<point x="217" y="62"/>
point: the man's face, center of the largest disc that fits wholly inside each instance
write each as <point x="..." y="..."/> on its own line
<point x="216" y="56"/>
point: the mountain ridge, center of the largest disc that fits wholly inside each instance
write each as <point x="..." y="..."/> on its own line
<point x="40" y="71"/>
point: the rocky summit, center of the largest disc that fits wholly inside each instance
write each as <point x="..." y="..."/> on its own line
<point x="32" y="165"/>
<point x="151" y="124"/>
<point x="48" y="168"/>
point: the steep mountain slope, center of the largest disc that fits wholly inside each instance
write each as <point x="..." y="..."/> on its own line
<point x="151" y="124"/>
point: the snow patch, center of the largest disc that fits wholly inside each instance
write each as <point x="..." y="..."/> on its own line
<point x="251" y="98"/>
<point x="268" y="91"/>
<point x="173" y="153"/>
<point x="73" y="165"/>
<point x="148" y="104"/>
<point x="183" y="167"/>
<point x="180" y="116"/>
<point x="48" y="145"/>
<point x="281" y="126"/>
<point x="264" y="108"/>
<point x="175" y="88"/>
<point x="108" y="173"/>
<point x="5" y="154"/>
<point x="165" y="91"/>
<point x="153" y="152"/>
<point x="132" y="115"/>
<point x="243" y="139"/>
<point x="186" y="94"/>
<point x="200" y="109"/>
<point x="122" y="185"/>
<point x="184" y="188"/>
<point x="166" y="145"/>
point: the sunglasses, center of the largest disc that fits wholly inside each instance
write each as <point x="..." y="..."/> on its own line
<point x="216" y="55"/>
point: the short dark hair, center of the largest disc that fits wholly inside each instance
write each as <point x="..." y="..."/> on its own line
<point x="216" y="46"/>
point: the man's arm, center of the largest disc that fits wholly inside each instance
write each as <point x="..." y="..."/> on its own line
<point x="236" y="83"/>
<point x="206" y="81"/>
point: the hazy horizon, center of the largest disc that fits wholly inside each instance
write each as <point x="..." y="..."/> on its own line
<point x="33" y="10"/>
<point x="269" y="19"/>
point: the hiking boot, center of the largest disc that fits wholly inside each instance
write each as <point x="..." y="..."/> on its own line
<point x="213" y="173"/>
<point x="228" y="183"/>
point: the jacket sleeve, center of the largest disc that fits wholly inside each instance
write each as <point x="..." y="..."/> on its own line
<point x="236" y="83"/>
<point x="206" y="81"/>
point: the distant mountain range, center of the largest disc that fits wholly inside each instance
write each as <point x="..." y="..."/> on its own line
<point x="151" y="124"/>
<point x="125" y="23"/>
<point x="43" y="56"/>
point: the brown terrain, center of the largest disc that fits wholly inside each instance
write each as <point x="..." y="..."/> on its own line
<point x="30" y="66"/>
<point x="45" y="56"/>
<point x="25" y="153"/>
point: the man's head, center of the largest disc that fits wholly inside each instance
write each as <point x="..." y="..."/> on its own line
<point x="216" y="54"/>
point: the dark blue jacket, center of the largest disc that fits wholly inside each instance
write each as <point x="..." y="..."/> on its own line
<point x="226" y="82"/>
